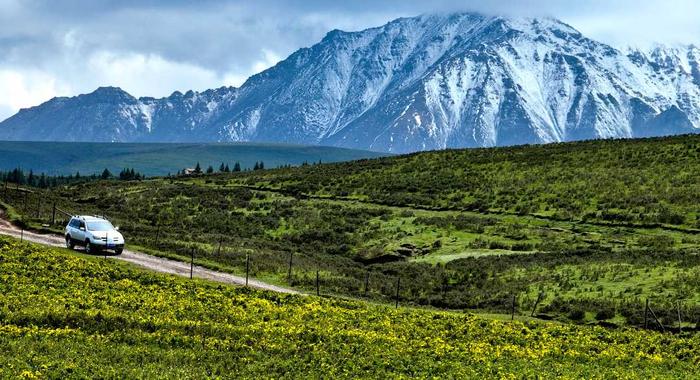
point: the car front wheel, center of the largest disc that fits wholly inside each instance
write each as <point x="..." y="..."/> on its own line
<point x="69" y="242"/>
<point x="88" y="247"/>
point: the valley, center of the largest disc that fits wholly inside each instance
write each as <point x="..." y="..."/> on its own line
<point x="569" y="230"/>
<point x="151" y="159"/>
<point x="349" y="190"/>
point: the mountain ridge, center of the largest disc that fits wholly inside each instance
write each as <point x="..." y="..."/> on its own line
<point x="416" y="83"/>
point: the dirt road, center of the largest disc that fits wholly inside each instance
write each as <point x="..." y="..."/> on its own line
<point x="154" y="263"/>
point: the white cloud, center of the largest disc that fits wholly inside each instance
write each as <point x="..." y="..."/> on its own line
<point x="238" y="77"/>
<point x="21" y="89"/>
<point x="269" y="59"/>
<point x="138" y="74"/>
<point x="640" y="23"/>
<point x="148" y="75"/>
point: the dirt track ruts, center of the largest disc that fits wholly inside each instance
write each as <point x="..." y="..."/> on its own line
<point x="157" y="264"/>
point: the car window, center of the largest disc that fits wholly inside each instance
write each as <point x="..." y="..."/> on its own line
<point x="74" y="223"/>
<point x="82" y="224"/>
<point x="100" y="225"/>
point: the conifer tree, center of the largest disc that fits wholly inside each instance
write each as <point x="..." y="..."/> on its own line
<point x="42" y="181"/>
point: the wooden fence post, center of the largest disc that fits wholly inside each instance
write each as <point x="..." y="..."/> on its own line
<point x="192" y="264"/>
<point x="318" y="286"/>
<point x="678" y="304"/>
<point x="512" y="309"/>
<point x="646" y="315"/>
<point x="247" y="267"/>
<point x="158" y="235"/>
<point x="443" y="286"/>
<point x="534" y="308"/>
<point x="366" y="283"/>
<point x="289" y="273"/>
<point x="655" y="318"/>
<point x="398" y="289"/>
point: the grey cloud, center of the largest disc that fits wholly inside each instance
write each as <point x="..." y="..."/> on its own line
<point x="229" y="38"/>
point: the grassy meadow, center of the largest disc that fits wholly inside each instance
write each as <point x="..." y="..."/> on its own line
<point x="579" y="232"/>
<point x="67" y="315"/>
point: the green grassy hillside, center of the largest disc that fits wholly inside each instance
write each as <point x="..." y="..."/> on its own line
<point x="591" y="229"/>
<point x="68" y="316"/>
<point x="62" y="158"/>
<point x="646" y="181"/>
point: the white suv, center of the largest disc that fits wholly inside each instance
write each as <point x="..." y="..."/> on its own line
<point x="94" y="233"/>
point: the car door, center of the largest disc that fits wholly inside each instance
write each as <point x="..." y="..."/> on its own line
<point x="72" y="229"/>
<point x="69" y="228"/>
<point x="79" y="231"/>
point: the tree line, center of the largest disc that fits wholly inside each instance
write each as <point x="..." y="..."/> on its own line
<point x="43" y="181"/>
<point x="223" y="168"/>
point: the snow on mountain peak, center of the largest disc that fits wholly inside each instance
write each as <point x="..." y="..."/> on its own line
<point x="428" y="82"/>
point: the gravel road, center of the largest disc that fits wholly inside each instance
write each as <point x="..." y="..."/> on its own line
<point x="154" y="263"/>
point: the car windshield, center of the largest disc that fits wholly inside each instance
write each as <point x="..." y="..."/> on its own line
<point x="101" y="225"/>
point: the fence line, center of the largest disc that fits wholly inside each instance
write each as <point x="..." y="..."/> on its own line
<point x="363" y="279"/>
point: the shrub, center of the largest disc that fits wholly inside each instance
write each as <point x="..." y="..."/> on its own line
<point x="605" y="313"/>
<point x="577" y="314"/>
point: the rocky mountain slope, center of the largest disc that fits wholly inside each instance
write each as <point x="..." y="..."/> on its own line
<point x="427" y="82"/>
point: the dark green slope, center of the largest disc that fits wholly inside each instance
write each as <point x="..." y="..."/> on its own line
<point x="160" y="159"/>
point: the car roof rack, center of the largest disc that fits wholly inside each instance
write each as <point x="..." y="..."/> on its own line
<point x="83" y="217"/>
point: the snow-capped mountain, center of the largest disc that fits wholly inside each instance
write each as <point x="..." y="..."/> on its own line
<point x="111" y="114"/>
<point x="427" y="82"/>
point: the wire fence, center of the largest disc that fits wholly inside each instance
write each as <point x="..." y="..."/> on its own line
<point x="392" y="285"/>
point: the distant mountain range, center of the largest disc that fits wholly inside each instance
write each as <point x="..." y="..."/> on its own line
<point x="420" y="83"/>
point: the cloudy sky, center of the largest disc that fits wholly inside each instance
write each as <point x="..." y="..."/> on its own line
<point x="152" y="48"/>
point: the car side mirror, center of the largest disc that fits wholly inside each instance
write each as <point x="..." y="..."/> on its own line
<point x="82" y="228"/>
